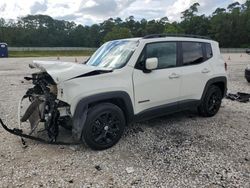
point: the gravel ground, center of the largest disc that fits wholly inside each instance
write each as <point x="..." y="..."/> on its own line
<point x="181" y="150"/>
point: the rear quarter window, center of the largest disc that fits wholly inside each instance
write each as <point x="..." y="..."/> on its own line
<point x="209" y="51"/>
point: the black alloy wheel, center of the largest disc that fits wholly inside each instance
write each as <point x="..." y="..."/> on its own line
<point x="214" y="103"/>
<point x="247" y="74"/>
<point x="211" y="103"/>
<point x="104" y="126"/>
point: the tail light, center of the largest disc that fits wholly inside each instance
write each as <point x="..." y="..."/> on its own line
<point x="225" y="65"/>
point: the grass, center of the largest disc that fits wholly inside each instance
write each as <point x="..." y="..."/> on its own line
<point x="49" y="53"/>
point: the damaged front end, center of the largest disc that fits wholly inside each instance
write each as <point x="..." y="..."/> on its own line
<point x="43" y="107"/>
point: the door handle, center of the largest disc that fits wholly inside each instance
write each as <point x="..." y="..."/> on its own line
<point x="205" y="71"/>
<point x="174" y="76"/>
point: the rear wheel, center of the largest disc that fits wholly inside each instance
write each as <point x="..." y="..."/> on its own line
<point x="211" y="103"/>
<point x="247" y="74"/>
<point x="104" y="126"/>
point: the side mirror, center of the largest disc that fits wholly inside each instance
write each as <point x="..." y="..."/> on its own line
<point x="151" y="63"/>
<point x="248" y="51"/>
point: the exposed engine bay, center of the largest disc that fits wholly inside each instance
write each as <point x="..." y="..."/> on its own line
<point x="44" y="106"/>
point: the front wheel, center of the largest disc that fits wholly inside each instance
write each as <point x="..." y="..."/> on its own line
<point x="211" y="103"/>
<point x="104" y="126"/>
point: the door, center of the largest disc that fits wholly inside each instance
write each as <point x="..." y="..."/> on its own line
<point x="161" y="86"/>
<point x="196" y="69"/>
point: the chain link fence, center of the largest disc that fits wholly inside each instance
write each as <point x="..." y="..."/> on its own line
<point x="233" y="50"/>
<point x="20" y="49"/>
<point x="223" y="50"/>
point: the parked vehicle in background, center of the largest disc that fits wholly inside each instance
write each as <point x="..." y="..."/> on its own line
<point x="3" y="50"/>
<point x="247" y="70"/>
<point x="125" y="81"/>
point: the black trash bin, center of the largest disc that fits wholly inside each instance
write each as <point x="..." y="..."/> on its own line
<point x="3" y="50"/>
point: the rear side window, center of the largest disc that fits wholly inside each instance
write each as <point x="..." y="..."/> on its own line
<point x="192" y="53"/>
<point x="166" y="52"/>
<point x="209" y="51"/>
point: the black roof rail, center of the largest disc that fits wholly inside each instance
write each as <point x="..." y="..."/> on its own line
<point x="175" y="35"/>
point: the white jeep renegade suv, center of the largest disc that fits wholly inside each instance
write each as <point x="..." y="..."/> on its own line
<point x="124" y="81"/>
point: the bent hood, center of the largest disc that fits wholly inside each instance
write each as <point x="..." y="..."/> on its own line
<point x="62" y="71"/>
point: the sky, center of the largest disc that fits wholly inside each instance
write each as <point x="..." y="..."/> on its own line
<point x="87" y="12"/>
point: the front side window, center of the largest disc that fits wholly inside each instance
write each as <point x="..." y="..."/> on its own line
<point x="166" y="52"/>
<point x="114" y="54"/>
<point x="192" y="53"/>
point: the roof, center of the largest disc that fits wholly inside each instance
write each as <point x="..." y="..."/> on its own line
<point x="172" y="37"/>
<point x="175" y="35"/>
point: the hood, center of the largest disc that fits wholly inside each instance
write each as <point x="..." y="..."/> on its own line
<point x="62" y="71"/>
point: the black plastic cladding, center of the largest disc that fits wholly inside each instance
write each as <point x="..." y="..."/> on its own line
<point x="82" y="107"/>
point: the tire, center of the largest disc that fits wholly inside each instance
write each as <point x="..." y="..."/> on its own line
<point x="211" y="103"/>
<point x="104" y="126"/>
<point x="247" y="74"/>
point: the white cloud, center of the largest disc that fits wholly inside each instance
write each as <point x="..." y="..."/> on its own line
<point x="240" y="1"/>
<point x="89" y="4"/>
<point x="174" y="11"/>
<point x="39" y="7"/>
<point x="14" y="8"/>
<point x="95" y="11"/>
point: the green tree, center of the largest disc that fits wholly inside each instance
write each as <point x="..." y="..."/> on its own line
<point x="232" y="6"/>
<point x="118" y="33"/>
<point x="189" y="13"/>
<point x="173" y="28"/>
<point x="193" y="24"/>
<point x="231" y="27"/>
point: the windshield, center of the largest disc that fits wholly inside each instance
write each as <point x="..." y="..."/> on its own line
<point x="114" y="54"/>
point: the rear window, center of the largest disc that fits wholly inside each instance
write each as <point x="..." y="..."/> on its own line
<point x="192" y="53"/>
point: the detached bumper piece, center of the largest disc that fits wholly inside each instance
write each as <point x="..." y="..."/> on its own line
<point x="19" y="132"/>
<point x="240" y="97"/>
<point x="34" y="114"/>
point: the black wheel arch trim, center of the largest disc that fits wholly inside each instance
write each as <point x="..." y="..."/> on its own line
<point x="80" y="114"/>
<point x="213" y="81"/>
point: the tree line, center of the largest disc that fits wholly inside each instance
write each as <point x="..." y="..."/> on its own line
<point x="230" y="26"/>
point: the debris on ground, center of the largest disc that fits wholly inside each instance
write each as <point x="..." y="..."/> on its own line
<point x="74" y="148"/>
<point x="98" y="168"/>
<point x="240" y="97"/>
<point x="130" y="170"/>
